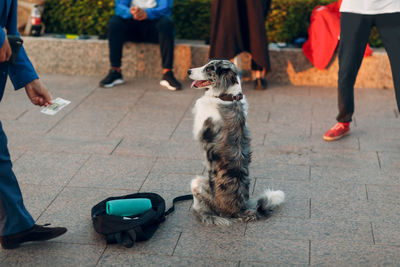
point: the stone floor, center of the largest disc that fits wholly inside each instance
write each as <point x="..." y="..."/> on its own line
<point x="342" y="208"/>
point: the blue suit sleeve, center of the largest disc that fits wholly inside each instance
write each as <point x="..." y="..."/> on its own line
<point x="163" y="8"/>
<point x="22" y="72"/>
<point x="122" y="9"/>
<point x="2" y="37"/>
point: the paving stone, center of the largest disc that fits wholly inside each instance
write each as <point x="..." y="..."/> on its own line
<point x="168" y="181"/>
<point x="118" y="97"/>
<point x="113" y="172"/>
<point x="54" y="254"/>
<point x="349" y="174"/>
<point x="386" y="231"/>
<point x="158" y="122"/>
<point x="89" y="121"/>
<point x="72" y="208"/>
<point x="185" y="166"/>
<point x="374" y="143"/>
<point x="345" y="159"/>
<point x="149" y="147"/>
<point x="38" y="197"/>
<point x="341" y="209"/>
<point x="261" y="169"/>
<point x="384" y="193"/>
<point x="353" y="254"/>
<point x="294" y="154"/>
<point x="48" y="168"/>
<point x="214" y="246"/>
<point x="260" y="264"/>
<point x="118" y="257"/>
<point x="334" y="191"/>
<point x="390" y="162"/>
<point x="310" y="229"/>
<point x="15" y="153"/>
<point x="383" y="209"/>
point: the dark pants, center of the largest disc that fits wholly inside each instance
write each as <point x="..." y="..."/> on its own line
<point x="14" y="218"/>
<point x="354" y="34"/>
<point x="150" y="31"/>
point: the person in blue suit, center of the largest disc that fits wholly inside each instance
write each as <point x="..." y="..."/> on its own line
<point x="16" y="224"/>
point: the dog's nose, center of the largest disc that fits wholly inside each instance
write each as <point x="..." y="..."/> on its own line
<point x="189" y="72"/>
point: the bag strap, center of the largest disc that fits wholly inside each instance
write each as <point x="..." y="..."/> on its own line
<point x="126" y="238"/>
<point x="177" y="199"/>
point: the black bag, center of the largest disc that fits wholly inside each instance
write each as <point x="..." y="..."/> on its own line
<point x="129" y="229"/>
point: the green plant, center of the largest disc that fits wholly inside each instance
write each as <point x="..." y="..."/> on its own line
<point x="192" y="19"/>
<point x="78" y="16"/>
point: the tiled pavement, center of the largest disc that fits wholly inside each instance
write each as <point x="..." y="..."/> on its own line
<point x="342" y="208"/>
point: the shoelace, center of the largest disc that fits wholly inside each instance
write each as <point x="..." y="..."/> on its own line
<point x="338" y="126"/>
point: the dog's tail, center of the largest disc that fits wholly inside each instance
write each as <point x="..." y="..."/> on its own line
<point x="268" y="201"/>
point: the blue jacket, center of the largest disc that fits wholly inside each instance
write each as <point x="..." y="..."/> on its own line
<point x="22" y="72"/>
<point x="163" y="8"/>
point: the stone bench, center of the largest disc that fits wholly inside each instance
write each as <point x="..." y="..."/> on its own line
<point x="289" y="66"/>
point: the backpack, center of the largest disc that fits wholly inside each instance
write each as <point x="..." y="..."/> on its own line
<point x="129" y="229"/>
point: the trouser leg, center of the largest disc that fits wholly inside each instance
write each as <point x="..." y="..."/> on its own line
<point x="389" y="30"/>
<point x="14" y="217"/>
<point x="166" y="38"/>
<point x="116" y="38"/>
<point x="354" y="34"/>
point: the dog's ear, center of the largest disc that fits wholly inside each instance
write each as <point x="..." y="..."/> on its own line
<point x="227" y="77"/>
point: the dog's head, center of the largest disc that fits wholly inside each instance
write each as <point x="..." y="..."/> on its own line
<point x="216" y="74"/>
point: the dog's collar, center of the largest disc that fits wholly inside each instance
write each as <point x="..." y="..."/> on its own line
<point x="230" y="97"/>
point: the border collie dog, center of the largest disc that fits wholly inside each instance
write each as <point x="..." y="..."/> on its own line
<point x="220" y="126"/>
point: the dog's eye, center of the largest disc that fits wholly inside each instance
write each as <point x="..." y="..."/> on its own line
<point x="210" y="68"/>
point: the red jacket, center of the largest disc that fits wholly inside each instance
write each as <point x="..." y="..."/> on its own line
<point x="323" y="35"/>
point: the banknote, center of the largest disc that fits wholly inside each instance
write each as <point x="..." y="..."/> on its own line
<point x="57" y="105"/>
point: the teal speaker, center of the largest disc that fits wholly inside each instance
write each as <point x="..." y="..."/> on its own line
<point x="128" y="207"/>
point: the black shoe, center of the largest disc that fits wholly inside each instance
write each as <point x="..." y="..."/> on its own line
<point x="36" y="233"/>
<point x="113" y="78"/>
<point x="168" y="80"/>
<point x="260" y="84"/>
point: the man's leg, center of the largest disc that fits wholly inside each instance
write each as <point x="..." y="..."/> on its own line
<point x="354" y="34"/>
<point x="14" y="218"/>
<point x="389" y="29"/>
<point x="116" y="38"/>
<point x="16" y="224"/>
<point x="166" y="38"/>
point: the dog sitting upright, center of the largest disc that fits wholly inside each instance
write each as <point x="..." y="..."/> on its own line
<point x="220" y="126"/>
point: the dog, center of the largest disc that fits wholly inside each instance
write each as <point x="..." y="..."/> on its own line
<point x="220" y="127"/>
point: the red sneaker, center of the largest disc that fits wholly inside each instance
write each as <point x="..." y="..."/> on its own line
<point x="338" y="131"/>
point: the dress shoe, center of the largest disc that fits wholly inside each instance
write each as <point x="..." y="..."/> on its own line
<point x="36" y="233"/>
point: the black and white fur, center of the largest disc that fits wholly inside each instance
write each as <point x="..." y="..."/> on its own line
<point x="221" y="128"/>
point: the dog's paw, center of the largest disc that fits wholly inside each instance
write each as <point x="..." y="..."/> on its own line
<point x="195" y="186"/>
<point x="215" y="220"/>
<point x="275" y="198"/>
<point x="220" y="221"/>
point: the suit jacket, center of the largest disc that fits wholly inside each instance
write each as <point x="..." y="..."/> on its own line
<point x="22" y="72"/>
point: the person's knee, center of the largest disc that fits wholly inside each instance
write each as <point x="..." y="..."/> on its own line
<point x="115" y="23"/>
<point x="165" y="25"/>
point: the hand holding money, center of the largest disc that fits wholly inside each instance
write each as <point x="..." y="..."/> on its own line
<point x="38" y="93"/>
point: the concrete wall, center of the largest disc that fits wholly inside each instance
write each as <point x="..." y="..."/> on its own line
<point x="289" y="66"/>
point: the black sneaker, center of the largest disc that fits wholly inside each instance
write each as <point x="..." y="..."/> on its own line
<point x="36" y="233"/>
<point x="113" y="78"/>
<point x="168" y="80"/>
